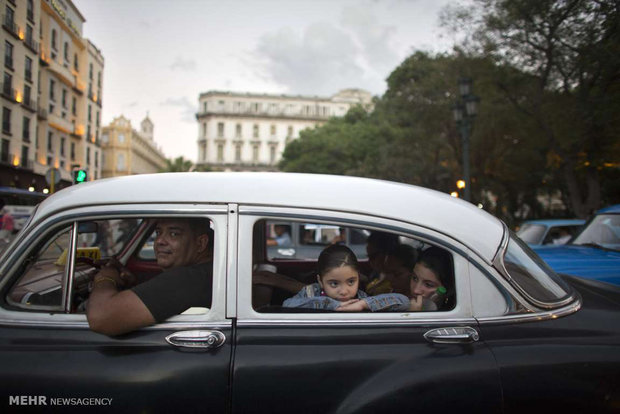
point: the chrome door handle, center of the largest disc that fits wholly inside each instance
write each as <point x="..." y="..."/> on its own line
<point x="456" y="335"/>
<point x="197" y="339"/>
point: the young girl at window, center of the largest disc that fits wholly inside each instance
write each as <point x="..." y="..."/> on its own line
<point x="337" y="287"/>
<point x="432" y="284"/>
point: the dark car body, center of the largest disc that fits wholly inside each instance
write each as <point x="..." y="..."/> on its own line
<point x="518" y="337"/>
<point x="594" y="253"/>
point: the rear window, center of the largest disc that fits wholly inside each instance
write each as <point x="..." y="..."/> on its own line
<point x="531" y="233"/>
<point x="532" y="275"/>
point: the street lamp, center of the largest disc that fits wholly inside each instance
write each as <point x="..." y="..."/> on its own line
<point x="464" y="112"/>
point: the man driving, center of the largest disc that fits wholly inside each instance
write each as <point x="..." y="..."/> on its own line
<point x="183" y="250"/>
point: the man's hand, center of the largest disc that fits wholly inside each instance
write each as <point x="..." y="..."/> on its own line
<point x="353" y="305"/>
<point x="114" y="272"/>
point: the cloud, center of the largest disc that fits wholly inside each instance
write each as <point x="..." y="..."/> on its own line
<point x="183" y="64"/>
<point x="187" y="108"/>
<point x="321" y="60"/>
<point x="372" y="37"/>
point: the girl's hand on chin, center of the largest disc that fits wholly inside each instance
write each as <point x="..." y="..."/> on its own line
<point x="416" y="303"/>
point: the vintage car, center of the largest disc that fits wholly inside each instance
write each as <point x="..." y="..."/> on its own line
<point x="549" y="232"/>
<point x="594" y="253"/>
<point x="517" y="338"/>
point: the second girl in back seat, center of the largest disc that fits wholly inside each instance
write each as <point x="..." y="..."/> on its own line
<point x="337" y="287"/>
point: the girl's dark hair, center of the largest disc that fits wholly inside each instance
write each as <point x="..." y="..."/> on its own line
<point x="336" y="256"/>
<point x="405" y="254"/>
<point x="440" y="262"/>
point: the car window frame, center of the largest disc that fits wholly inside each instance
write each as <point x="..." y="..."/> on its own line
<point x="249" y="215"/>
<point x="41" y="229"/>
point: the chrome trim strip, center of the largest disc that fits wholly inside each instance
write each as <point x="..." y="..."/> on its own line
<point x="29" y="323"/>
<point x="533" y="317"/>
<point x="67" y="282"/>
<point x="349" y="322"/>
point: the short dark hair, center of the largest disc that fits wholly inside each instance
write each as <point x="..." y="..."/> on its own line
<point x="383" y="242"/>
<point x="335" y="256"/>
<point x="405" y="254"/>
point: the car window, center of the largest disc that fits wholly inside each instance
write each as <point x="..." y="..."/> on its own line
<point x="603" y="230"/>
<point x="531" y="233"/>
<point x="532" y="275"/>
<point x="42" y="281"/>
<point x="385" y="268"/>
<point x="560" y="234"/>
<point x="41" y="278"/>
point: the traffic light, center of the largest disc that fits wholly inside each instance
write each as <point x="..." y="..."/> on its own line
<point x="79" y="175"/>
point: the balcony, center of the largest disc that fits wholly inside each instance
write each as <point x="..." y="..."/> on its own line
<point x="44" y="56"/>
<point x="9" y="24"/>
<point x="32" y="44"/>
<point x="78" y="85"/>
<point x="29" y="104"/>
<point x="8" y="92"/>
<point x="41" y="113"/>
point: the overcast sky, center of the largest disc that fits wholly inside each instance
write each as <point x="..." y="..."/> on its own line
<point x="161" y="54"/>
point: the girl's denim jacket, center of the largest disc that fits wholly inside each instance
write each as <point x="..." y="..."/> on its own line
<point x="310" y="297"/>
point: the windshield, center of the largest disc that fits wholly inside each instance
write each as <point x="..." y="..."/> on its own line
<point x="532" y="275"/>
<point x="531" y="233"/>
<point x="603" y="231"/>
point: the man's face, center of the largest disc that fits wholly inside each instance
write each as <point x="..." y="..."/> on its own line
<point x="176" y="244"/>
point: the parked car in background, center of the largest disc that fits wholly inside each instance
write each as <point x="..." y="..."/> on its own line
<point x="550" y="231"/>
<point x="594" y="253"/>
<point x="515" y="337"/>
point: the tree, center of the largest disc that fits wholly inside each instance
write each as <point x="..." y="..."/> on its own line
<point x="567" y="59"/>
<point x="178" y="164"/>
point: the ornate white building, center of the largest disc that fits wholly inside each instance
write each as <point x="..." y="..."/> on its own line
<point x="248" y="132"/>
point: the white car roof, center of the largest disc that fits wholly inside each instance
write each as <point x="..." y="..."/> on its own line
<point x="465" y="222"/>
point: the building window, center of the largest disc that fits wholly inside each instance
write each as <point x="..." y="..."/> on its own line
<point x="90" y="113"/>
<point x="238" y="131"/>
<point x="221" y="105"/>
<point x="255" y="131"/>
<point x="28" y="69"/>
<point x="50" y="138"/>
<point x="220" y="152"/>
<point x="204" y="107"/>
<point x="289" y="132"/>
<point x="29" y="34"/>
<point x="52" y="88"/>
<point x="66" y="54"/>
<point x="273" y="131"/>
<point x="255" y="153"/>
<point x="26" y="129"/>
<point x="63" y="100"/>
<point x="88" y="156"/>
<point x="6" y="120"/>
<point x="27" y="93"/>
<point x="73" y="151"/>
<point x="204" y="129"/>
<point x="90" y="71"/>
<point x="220" y="130"/>
<point x="99" y="79"/>
<point x="54" y="39"/>
<point x="272" y="154"/>
<point x="62" y="146"/>
<point x="7" y="87"/>
<point x="8" y="54"/>
<point x="73" y="105"/>
<point x="24" y="161"/>
<point x="120" y="162"/>
<point x="4" y="154"/>
<point x="75" y="62"/>
<point x="238" y="152"/>
<point x="30" y="10"/>
<point x="96" y="159"/>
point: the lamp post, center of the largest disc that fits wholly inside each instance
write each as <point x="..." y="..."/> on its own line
<point x="464" y="112"/>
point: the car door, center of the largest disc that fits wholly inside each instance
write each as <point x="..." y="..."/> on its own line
<point x="50" y="352"/>
<point x="358" y="362"/>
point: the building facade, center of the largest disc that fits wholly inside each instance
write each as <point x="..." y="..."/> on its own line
<point x="51" y="94"/>
<point x="248" y="132"/>
<point x="127" y="151"/>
